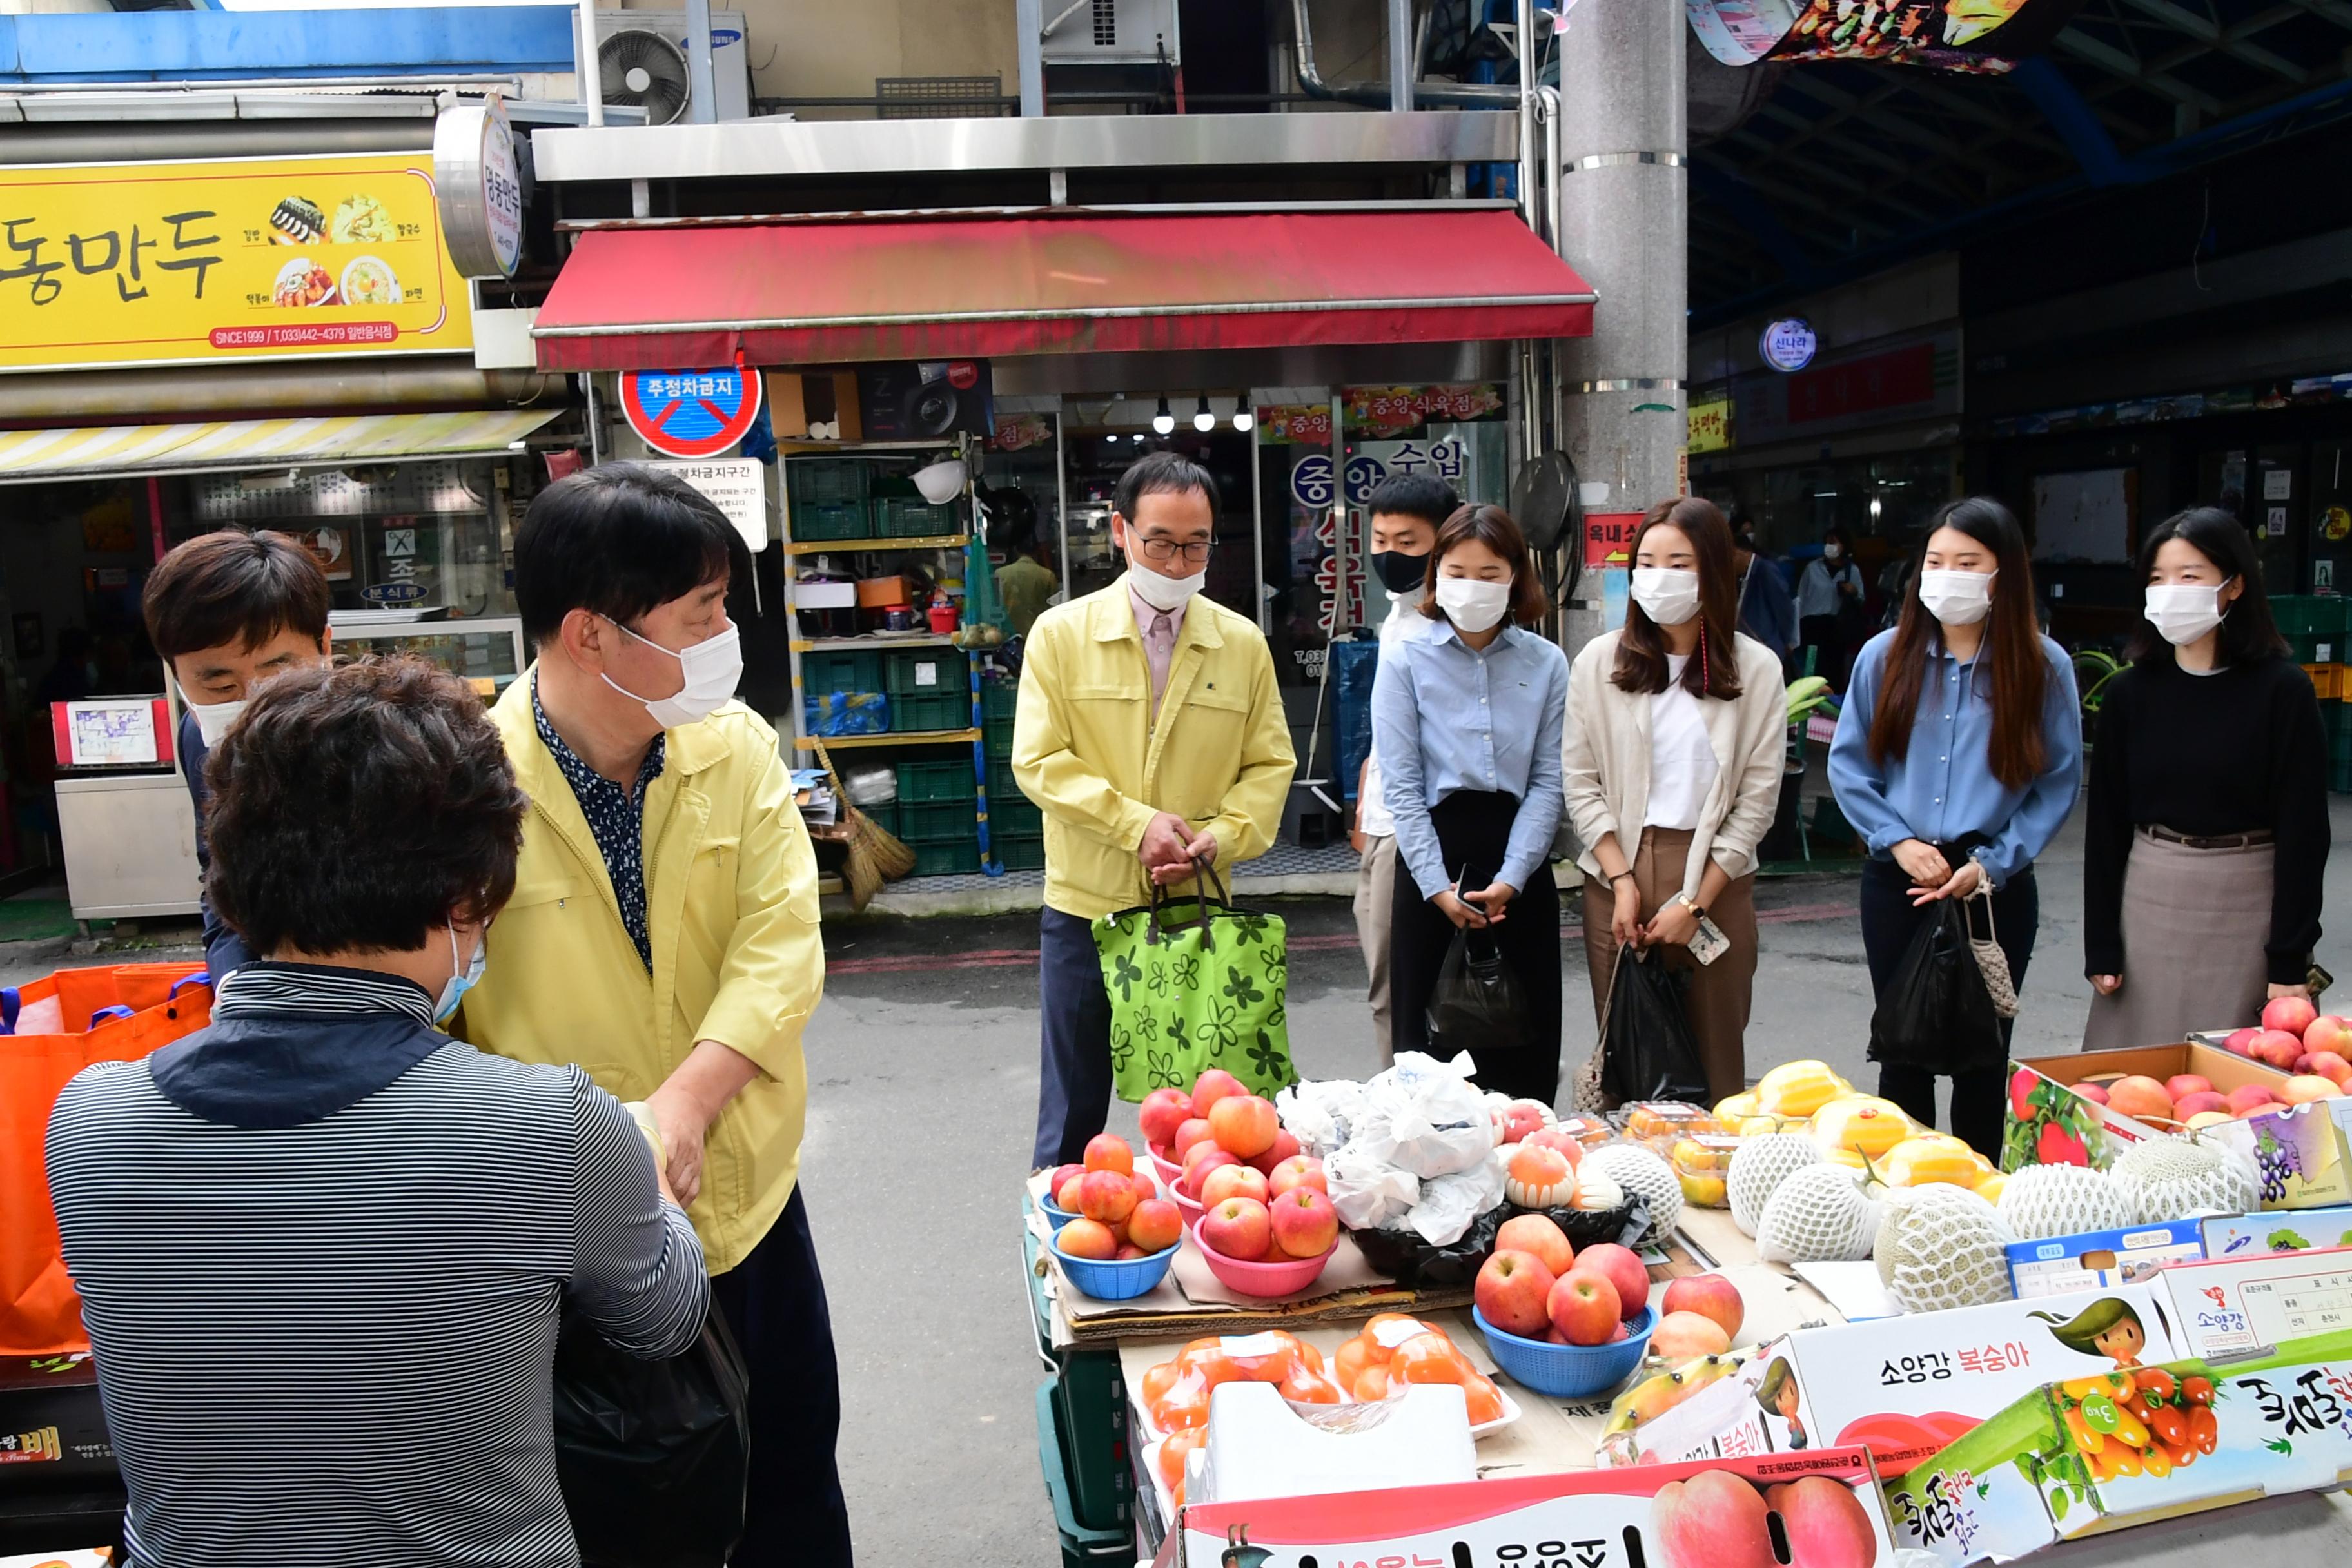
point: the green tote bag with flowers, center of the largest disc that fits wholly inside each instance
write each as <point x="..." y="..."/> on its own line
<point x="1195" y="983"/>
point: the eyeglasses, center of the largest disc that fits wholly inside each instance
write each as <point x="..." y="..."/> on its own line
<point x="1166" y="550"/>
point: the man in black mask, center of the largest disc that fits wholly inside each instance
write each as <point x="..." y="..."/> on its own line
<point x="1405" y="513"/>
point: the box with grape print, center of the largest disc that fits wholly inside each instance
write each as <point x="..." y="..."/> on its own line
<point x="2298" y="1151"/>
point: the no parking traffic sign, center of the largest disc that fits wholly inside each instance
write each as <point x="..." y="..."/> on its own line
<point x="690" y="413"/>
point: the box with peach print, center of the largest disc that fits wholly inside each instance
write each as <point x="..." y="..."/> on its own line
<point x="1824" y="1505"/>
<point x="2086" y="1109"/>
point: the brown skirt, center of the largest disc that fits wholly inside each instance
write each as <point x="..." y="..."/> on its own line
<point x="1716" y="1004"/>
<point x="2194" y="922"/>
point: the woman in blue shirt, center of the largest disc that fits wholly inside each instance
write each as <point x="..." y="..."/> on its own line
<point x="1956" y="758"/>
<point x="1467" y="721"/>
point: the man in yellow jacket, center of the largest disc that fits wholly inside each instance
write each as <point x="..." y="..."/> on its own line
<point x="663" y="931"/>
<point x="1150" y="732"/>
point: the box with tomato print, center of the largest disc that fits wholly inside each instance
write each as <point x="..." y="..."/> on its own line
<point x="2135" y="1444"/>
<point x="1717" y="1515"/>
<point x="2051" y="1121"/>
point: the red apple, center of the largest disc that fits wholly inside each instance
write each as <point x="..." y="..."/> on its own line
<point x="1244" y="1124"/>
<point x="2331" y="1067"/>
<point x="1514" y="1290"/>
<point x="1715" y="1520"/>
<point x="1066" y="1197"/>
<point x="1212" y="1086"/>
<point x="1582" y="1305"/>
<point x="2289" y="1014"/>
<point x="2248" y="1097"/>
<point x="1826" y="1525"/>
<point x="1708" y="1295"/>
<point x="1198" y="1171"/>
<point x="2097" y="1093"/>
<point x="2181" y="1085"/>
<point x="1552" y="1336"/>
<point x="1523" y="1117"/>
<point x="1233" y="1181"/>
<point x="1109" y="1151"/>
<point x="2240" y="1042"/>
<point x="2328" y="1033"/>
<point x="1163" y="1111"/>
<point x="2190" y="1105"/>
<point x="1299" y="1171"/>
<point x="1622" y="1269"/>
<point x="1553" y="1138"/>
<point x="1687" y="1336"/>
<point x="1304" y="1224"/>
<point x="1238" y="1229"/>
<point x="2278" y="1049"/>
<point x="1155" y="1226"/>
<point x="1086" y="1239"/>
<point x="1130" y="1251"/>
<point x="1622" y="1333"/>
<point x="1060" y="1178"/>
<point x="1146" y="1189"/>
<point x="1108" y="1197"/>
<point x="1537" y="1233"/>
<point x="1189" y="1135"/>
<point x="1286" y="1146"/>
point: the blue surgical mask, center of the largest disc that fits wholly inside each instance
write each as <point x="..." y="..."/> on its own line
<point x="453" y="989"/>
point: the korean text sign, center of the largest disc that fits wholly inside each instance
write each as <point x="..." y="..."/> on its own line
<point x="241" y="259"/>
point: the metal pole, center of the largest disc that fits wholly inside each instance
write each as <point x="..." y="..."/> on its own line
<point x="1624" y="224"/>
<point x="1400" y="58"/>
<point x="702" y="108"/>
<point x="1028" y="32"/>
<point x="1523" y="40"/>
<point x="591" y="79"/>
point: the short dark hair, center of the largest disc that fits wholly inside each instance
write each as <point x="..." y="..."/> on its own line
<point x="220" y="588"/>
<point x="1499" y="531"/>
<point x="1425" y="496"/>
<point x="1163" y="473"/>
<point x="359" y="809"/>
<point x="2249" y="630"/>
<point x="618" y="539"/>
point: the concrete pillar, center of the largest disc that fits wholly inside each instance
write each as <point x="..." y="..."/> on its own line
<point x="1625" y="225"/>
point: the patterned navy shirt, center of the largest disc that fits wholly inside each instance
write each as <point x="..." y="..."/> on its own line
<point x="616" y="817"/>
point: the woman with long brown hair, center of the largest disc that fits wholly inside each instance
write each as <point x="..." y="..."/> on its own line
<point x="1466" y="719"/>
<point x="1672" y="770"/>
<point x="1956" y="758"/>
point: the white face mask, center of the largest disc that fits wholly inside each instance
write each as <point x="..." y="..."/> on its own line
<point x="1472" y="604"/>
<point x="453" y="989"/>
<point x="712" y="668"/>
<point x="1957" y="598"/>
<point x="212" y="719"/>
<point x="1166" y="594"/>
<point x="1832" y="550"/>
<point x="1667" y="594"/>
<point x="2183" y="611"/>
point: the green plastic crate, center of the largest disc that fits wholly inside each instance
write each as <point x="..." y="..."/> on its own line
<point x="936" y="821"/>
<point x="1082" y="1423"/>
<point x="912" y="517"/>
<point x="947" y="711"/>
<point x="920" y="782"/>
<point x="2308" y="612"/>
<point x="1018" y="853"/>
<point x="2317" y="647"/>
<point x="998" y="698"/>
<point x="847" y="671"/>
<point x="926" y="672"/>
<point x="1011" y="817"/>
<point x="1002" y="784"/>
<point x="947" y="858"/>
<point x="828" y="479"/>
<point x="1080" y="1545"/>
<point x="884" y="816"/>
<point x="814" y="523"/>
<point x="998" y="739"/>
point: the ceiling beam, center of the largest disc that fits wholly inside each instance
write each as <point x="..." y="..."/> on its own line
<point x="2109" y="58"/>
<point x="1872" y="110"/>
<point x="2231" y="41"/>
<point x="1913" y="170"/>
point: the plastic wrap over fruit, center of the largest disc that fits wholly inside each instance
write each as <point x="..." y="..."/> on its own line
<point x="1424" y="1117"/>
<point x="1369" y="1193"/>
<point x="1449" y="1203"/>
<point x="1321" y="1115"/>
<point x="1400" y="1252"/>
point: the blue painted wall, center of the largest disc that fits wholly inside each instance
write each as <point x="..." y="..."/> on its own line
<point x="174" y="46"/>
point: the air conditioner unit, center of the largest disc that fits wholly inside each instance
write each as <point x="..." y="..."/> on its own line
<point x="641" y="57"/>
<point x="1109" y="33"/>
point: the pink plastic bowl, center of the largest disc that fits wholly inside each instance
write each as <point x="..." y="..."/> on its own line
<point x="1281" y="1278"/>
<point x="1186" y="1207"/>
<point x="1171" y="1173"/>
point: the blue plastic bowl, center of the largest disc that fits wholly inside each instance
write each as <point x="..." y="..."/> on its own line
<point x="1117" y="1278"/>
<point x="1568" y="1371"/>
<point x="1056" y="1214"/>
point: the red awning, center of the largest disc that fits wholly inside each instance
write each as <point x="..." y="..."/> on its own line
<point x="818" y="293"/>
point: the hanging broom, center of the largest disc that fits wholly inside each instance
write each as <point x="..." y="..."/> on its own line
<point x="875" y="854"/>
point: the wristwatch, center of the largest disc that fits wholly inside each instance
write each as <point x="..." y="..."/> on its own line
<point x="1698" y="910"/>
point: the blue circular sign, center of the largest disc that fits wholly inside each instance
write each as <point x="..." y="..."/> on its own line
<point x="690" y="413"/>
<point x="1789" y="343"/>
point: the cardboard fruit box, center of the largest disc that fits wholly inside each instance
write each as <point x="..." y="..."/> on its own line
<point x="2050" y="1124"/>
<point x="1660" y="1516"/>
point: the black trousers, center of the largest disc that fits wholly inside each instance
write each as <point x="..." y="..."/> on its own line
<point x="1888" y="923"/>
<point x="774" y="1303"/>
<point x="1474" y="829"/>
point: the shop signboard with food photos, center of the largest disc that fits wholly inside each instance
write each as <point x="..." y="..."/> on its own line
<point x="130" y="264"/>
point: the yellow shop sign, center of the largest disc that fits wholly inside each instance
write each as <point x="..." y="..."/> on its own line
<point x="117" y="264"/>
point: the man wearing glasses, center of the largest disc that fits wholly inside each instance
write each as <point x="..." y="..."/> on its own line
<point x="1150" y="734"/>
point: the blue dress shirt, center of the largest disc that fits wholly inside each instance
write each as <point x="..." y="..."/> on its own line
<point x="1445" y="718"/>
<point x="1942" y="789"/>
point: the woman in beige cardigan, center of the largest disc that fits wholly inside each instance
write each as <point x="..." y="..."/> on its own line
<point x="1672" y="764"/>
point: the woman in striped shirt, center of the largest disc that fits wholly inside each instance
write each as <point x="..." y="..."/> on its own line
<point x="322" y="1248"/>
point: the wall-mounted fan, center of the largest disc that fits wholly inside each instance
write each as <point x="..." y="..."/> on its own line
<point x="644" y="70"/>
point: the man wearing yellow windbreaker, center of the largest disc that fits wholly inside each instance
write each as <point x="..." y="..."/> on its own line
<point x="663" y="932"/>
<point x="1150" y="732"/>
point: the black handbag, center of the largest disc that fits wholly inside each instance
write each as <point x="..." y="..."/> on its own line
<point x="653" y="1456"/>
<point x="1475" y="1006"/>
<point x="1936" y="1014"/>
<point x="1646" y="1049"/>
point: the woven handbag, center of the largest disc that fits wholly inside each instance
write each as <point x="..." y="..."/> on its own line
<point x="1992" y="961"/>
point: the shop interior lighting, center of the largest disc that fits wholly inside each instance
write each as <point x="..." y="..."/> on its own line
<point x="1873" y="506"/>
<point x="1202" y="420"/>
<point x="1245" y="417"/>
<point x="1163" y="423"/>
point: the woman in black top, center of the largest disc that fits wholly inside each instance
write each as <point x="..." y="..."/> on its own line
<point x="2207" y="838"/>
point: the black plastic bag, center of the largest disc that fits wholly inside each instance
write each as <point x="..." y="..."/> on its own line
<point x="1647" y="1051"/>
<point x="1475" y="1004"/>
<point x="1937" y="1014"/>
<point x="1400" y="1252"/>
<point x="653" y="1456"/>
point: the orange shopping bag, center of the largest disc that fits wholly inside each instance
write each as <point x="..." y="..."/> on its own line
<point x="106" y="1014"/>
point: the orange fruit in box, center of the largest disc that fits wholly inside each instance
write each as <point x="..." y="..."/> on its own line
<point x="1172" y="1452"/>
<point x="1158" y="1382"/>
<point x="1485" y="1401"/>
<point x="1427" y="1358"/>
<point x="1372" y="1385"/>
<point x="1353" y="1358"/>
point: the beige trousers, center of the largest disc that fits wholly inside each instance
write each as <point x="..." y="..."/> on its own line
<point x="1719" y="993"/>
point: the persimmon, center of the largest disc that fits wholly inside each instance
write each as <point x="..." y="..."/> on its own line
<point x="1371" y="1385"/>
<point x="1173" y="1451"/>
<point x="1483" y="1399"/>
<point x="1353" y="1359"/>
<point x="1427" y="1358"/>
<point x="1159" y="1380"/>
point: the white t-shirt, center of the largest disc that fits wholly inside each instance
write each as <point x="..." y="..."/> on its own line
<point x="1372" y="816"/>
<point x="1682" y="759"/>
